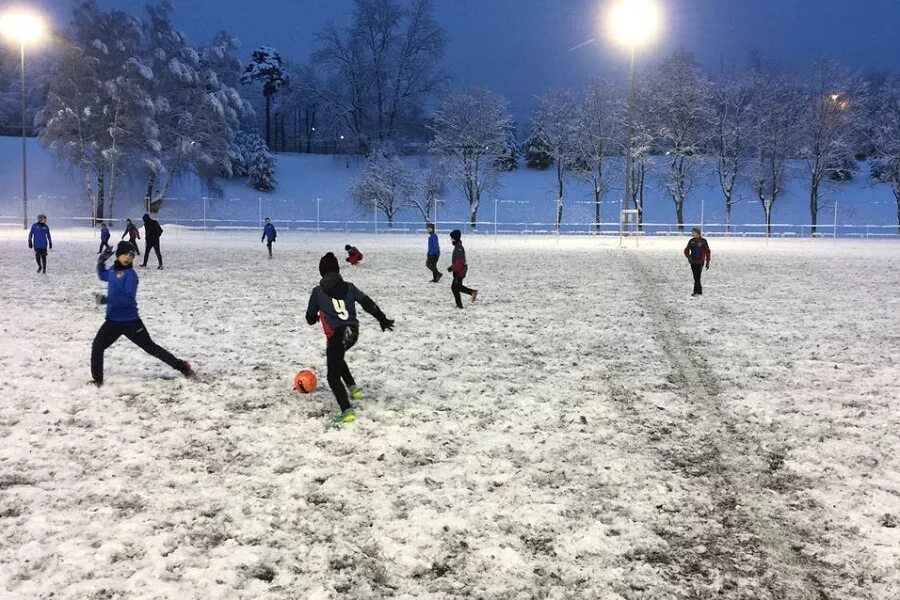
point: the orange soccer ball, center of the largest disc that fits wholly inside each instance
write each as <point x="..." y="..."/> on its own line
<point x="305" y="381"/>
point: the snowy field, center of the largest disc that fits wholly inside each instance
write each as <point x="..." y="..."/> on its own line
<point x="585" y="430"/>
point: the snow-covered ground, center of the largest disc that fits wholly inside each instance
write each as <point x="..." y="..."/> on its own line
<point x="585" y="430"/>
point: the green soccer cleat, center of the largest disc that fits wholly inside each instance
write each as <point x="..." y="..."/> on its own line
<point x="348" y="416"/>
<point x="355" y="392"/>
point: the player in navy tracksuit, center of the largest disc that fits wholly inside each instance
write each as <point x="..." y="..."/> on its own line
<point x="460" y="269"/>
<point x="269" y="235"/>
<point x="104" y="238"/>
<point x="122" y="314"/>
<point x="39" y="239"/>
<point x="434" y="253"/>
<point x="698" y="254"/>
<point x="333" y="302"/>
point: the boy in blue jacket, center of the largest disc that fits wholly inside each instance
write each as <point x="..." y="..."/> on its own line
<point x="122" y="314"/>
<point x="434" y="253"/>
<point x="39" y="239"/>
<point x="104" y="238"/>
<point x="269" y="234"/>
<point x="334" y="302"/>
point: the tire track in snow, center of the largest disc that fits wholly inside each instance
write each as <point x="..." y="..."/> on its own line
<point x="738" y="541"/>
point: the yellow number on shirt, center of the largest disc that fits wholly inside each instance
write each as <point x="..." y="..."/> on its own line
<point x="340" y="308"/>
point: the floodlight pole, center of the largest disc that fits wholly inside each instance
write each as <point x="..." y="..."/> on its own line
<point x="24" y="152"/>
<point x="629" y="125"/>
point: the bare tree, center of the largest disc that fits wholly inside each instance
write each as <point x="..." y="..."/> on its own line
<point x="471" y="132"/>
<point x="730" y="133"/>
<point x="830" y="118"/>
<point x="600" y="135"/>
<point x="886" y="128"/>
<point x="382" y="67"/>
<point x="429" y="187"/>
<point x="556" y="124"/>
<point x="681" y="97"/>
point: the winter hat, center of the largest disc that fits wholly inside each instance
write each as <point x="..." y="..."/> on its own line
<point x="146" y="217"/>
<point x="347" y="247"/>
<point x="329" y="264"/>
<point x="124" y="248"/>
<point x="455" y="234"/>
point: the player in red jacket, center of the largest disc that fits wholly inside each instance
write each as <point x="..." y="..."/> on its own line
<point x="460" y="269"/>
<point x="353" y="254"/>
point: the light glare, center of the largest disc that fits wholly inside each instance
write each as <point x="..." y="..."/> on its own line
<point x="23" y="26"/>
<point x="633" y="22"/>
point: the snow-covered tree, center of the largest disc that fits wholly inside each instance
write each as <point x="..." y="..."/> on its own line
<point x="509" y="158"/>
<point x="382" y="67"/>
<point x="265" y="66"/>
<point x="886" y="138"/>
<point x="259" y="162"/>
<point x="830" y="117"/>
<point x="537" y="155"/>
<point x="730" y="134"/>
<point x="386" y="184"/>
<point x="774" y="135"/>
<point x="470" y="131"/>
<point x="600" y="135"/>
<point x="98" y="111"/>
<point x="681" y="98"/>
<point x="556" y="124"/>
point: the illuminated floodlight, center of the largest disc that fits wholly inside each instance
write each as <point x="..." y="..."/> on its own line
<point x="633" y="22"/>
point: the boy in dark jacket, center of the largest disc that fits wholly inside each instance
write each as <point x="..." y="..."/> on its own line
<point x="269" y="235"/>
<point x="460" y="269"/>
<point x="39" y="239"/>
<point x="697" y="253"/>
<point x="104" y="238"/>
<point x="333" y="302"/>
<point x="133" y="235"/>
<point x="353" y="254"/>
<point x="434" y="253"/>
<point x="122" y="314"/>
<point x="152" y="231"/>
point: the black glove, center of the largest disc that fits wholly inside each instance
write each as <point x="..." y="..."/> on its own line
<point x="386" y="324"/>
<point x="707" y="265"/>
<point x="51" y="247"/>
<point x="450" y="268"/>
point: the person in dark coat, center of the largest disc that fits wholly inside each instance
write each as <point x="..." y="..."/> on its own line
<point x="460" y="269"/>
<point x="39" y="239"/>
<point x="433" y="254"/>
<point x="122" y="314"/>
<point x="269" y="235"/>
<point x="698" y="254"/>
<point x="353" y="254"/>
<point x="133" y="235"/>
<point x="104" y="238"/>
<point x="333" y="302"/>
<point x="152" y="231"/>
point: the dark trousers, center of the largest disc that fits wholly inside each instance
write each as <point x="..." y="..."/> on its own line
<point x="431" y="263"/>
<point x="134" y="243"/>
<point x="151" y="245"/>
<point x="697" y="270"/>
<point x="135" y="331"/>
<point x="456" y="287"/>
<point x="40" y="255"/>
<point x="269" y="246"/>
<point x="339" y="374"/>
<point x="104" y="245"/>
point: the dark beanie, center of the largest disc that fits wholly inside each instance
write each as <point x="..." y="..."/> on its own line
<point x="347" y="247"/>
<point x="455" y="234"/>
<point x="124" y="248"/>
<point x="329" y="264"/>
<point x="146" y="217"/>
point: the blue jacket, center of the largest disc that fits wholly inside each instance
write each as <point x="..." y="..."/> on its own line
<point x="121" y="291"/>
<point x="434" y="249"/>
<point x="39" y="236"/>
<point x="269" y="232"/>
<point x="104" y="234"/>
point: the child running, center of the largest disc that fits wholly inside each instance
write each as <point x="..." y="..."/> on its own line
<point x="460" y="269"/>
<point x="269" y="235"/>
<point x="334" y="302"/>
<point x="433" y="254"/>
<point x="353" y="254"/>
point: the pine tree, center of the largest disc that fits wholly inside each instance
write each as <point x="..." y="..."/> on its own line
<point x="266" y="67"/>
<point x="259" y="163"/>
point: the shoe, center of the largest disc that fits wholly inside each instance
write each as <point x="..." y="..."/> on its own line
<point x="695" y="294"/>
<point x="355" y="392"/>
<point x="39" y="269"/>
<point x="186" y="370"/>
<point x="143" y="266"/>
<point x="438" y="278"/>
<point x="159" y="268"/>
<point x="348" y="416"/>
<point x="96" y="383"/>
<point x="474" y="295"/>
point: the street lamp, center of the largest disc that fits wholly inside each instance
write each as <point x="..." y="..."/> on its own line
<point x="631" y="23"/>
<point x="22" y="27"/>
